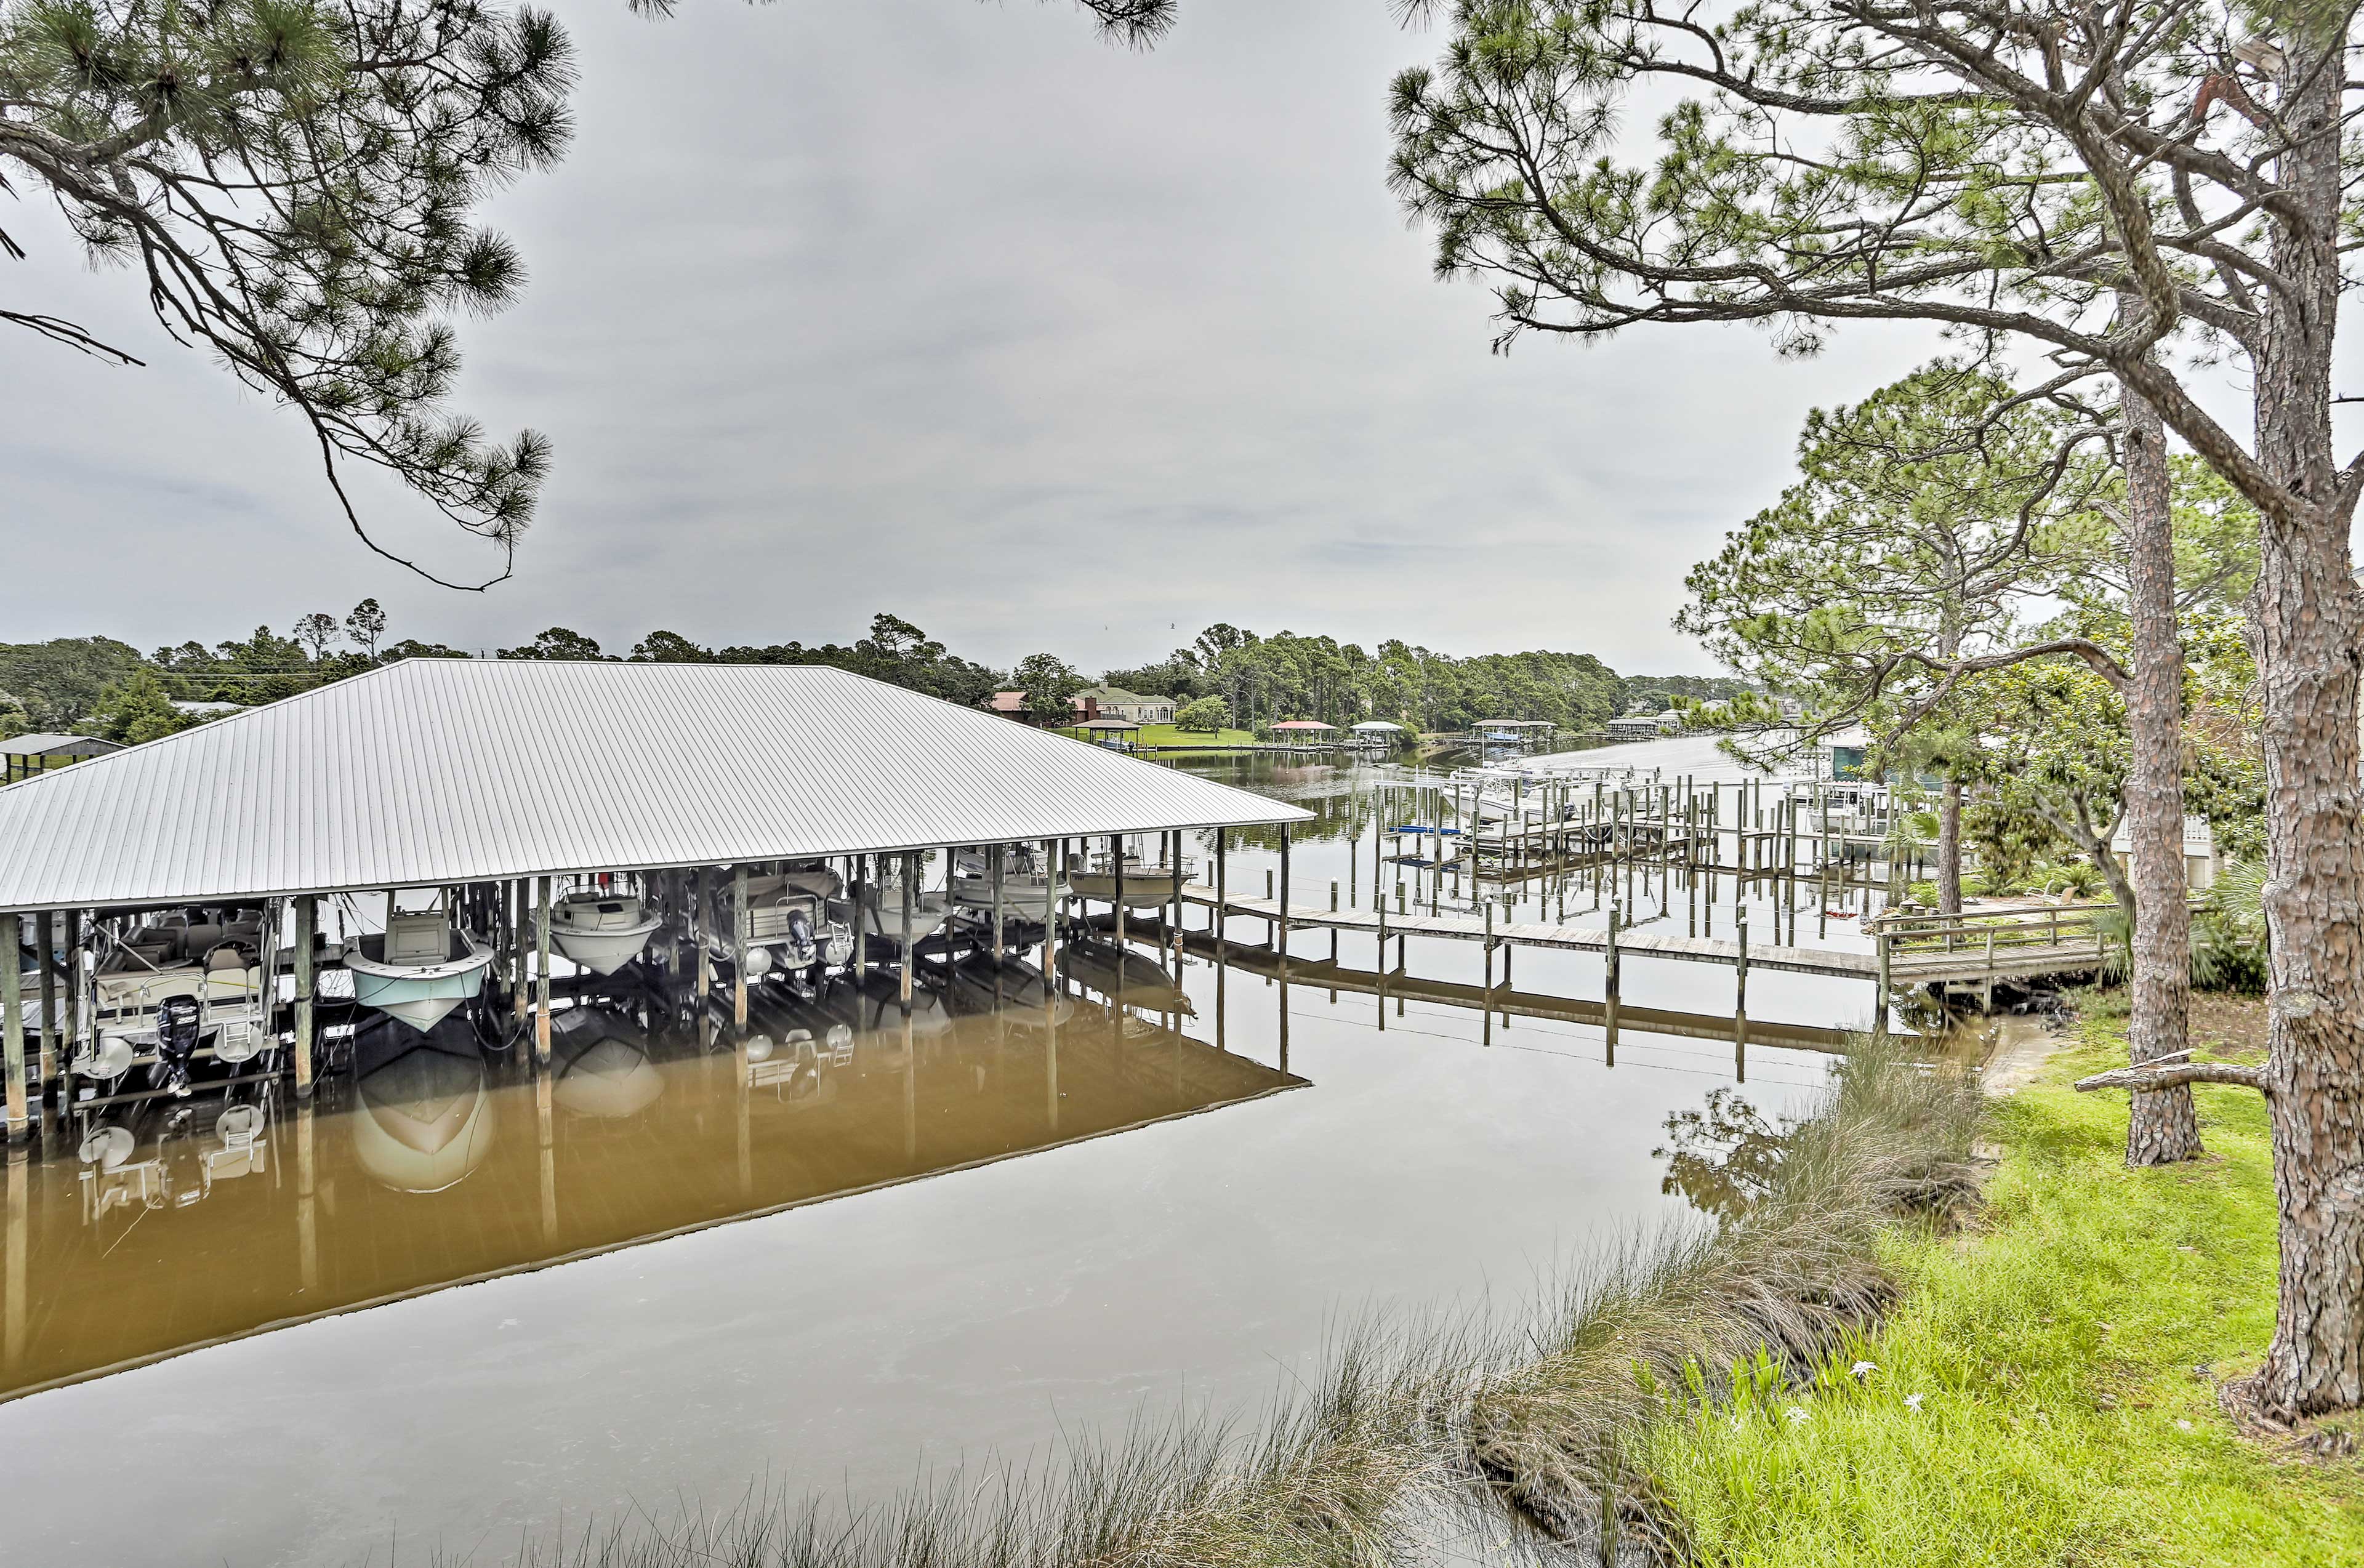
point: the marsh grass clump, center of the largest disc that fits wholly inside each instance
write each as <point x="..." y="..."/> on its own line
<point x="1340" y="1474"/>
<point x="1789" y="1280"/>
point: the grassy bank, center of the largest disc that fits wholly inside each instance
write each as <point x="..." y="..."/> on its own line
<point x="2044" y="1385"/>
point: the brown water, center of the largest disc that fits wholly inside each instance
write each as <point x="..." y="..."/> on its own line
<point x="801" y="1310"/>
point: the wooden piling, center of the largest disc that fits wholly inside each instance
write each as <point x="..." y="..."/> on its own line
<point x="911" y="881"/>
<point x="307" y="928"/>
<point x="74" y="1001"/>
<point x="995" y="856"/>
<point x="1284" y="902"/>
<point x="739" y="935"/>
<point x="1609" y="1011"/>
<point x="44" y="933"/>
<point x="1740" y="973"/>
<point x="522" y="907"/>
<point x="12" y="1028"/>
<point x="541" y="969"/>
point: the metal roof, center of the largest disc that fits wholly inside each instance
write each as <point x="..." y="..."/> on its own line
<point x="454" y="769"/>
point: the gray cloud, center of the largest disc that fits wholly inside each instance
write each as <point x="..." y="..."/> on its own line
<point x="952" y="310"/>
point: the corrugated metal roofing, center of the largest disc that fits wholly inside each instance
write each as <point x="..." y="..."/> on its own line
<point x="447" y="769"/>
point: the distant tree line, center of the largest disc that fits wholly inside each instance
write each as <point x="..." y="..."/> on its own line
<point x="1228" y="676"/>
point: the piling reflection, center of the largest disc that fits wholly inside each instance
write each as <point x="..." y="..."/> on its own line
<point x="175" y="1224"/>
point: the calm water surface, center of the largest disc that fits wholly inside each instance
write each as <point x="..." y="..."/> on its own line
<point x="839" y="1263"/>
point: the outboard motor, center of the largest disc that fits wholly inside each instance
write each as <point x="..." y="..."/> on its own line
<point x="176" y="1042"/>
<point x="802" y="952"/>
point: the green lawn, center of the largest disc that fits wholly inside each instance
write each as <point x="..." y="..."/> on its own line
<point x="1166" y="735"/>
<point x="2060" y="1419"/>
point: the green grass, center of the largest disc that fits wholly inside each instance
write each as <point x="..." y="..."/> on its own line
<point x="1166" y="735"/>
<point x="2061" y="1419"/>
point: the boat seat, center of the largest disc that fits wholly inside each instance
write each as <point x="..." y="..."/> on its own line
<point x="226" y="957"/>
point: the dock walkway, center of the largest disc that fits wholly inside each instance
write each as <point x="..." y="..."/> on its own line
<point x="2022" y="953"/>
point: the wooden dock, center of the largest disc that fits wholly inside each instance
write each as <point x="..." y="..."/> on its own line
<point x="1964" y="953"/>
<point x="1536" y="934"/>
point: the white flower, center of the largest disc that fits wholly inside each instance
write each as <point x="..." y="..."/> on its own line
<point x="1797" y="1414"/>
<point x="2182" y="1426"/>
<point x="1912" y="1402"/>
<point x="1738" y="1425"/>
<point x="1863" y="1369"/>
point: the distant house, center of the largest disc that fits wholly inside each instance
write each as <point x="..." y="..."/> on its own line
<point x="2199" y="851"/>
<point x="1012" y="704"/>
<point x="1646" y="726"/>
<point x="1115" y="702"/>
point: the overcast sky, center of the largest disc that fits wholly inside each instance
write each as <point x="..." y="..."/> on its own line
<point x="952" y="310"/>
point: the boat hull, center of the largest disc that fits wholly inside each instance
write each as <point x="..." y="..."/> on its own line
<point x="603" y="951"/>
<point x="420" y="996"/>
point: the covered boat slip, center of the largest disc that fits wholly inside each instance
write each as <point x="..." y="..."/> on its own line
<point x="494" y="787"/>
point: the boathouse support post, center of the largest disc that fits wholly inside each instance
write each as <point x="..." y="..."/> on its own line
<point x="1284" y="899"/>
<point x="308" y="926"/>
<point x="74" y="1001"/>
<point x="1116" y="860"/>
<point x="45" y="933"/>
<point x="12" y="1028"/>
<point x="996" y="854"/>
<point x="520" y="907"/>
<point x="541" y="969"/>
<point x="1175" y="927"/>
<point x="903" y="980"/>
<point x="700" y="965"/>
<point x="861" y="919"/>
<point x="1882" y="943"/>
<point x="739" y="934"/>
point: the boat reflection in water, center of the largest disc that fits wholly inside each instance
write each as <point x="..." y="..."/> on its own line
<point x="181" y="1223"/>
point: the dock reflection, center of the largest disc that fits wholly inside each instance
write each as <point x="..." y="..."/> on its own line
<point x="179" y="1224"/>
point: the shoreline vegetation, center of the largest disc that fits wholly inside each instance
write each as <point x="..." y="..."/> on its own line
<point x="1507" y="1432"/>
<point x="1894" y="1344"/>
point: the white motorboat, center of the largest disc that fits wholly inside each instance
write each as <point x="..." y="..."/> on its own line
<point x="1146" y="887"/>
<point x="1025" y="880"/>
<point x="601" y="931"/>
<point x="882" y="911"/>
<point x="418" y="968"/>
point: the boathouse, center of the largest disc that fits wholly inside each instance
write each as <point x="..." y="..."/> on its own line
<point x="489" y="779"/>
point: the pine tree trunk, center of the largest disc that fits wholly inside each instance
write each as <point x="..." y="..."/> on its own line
<point x="2305" y="623"/>
<point x="1949" y="849"/>
<point x="2161" y="1127"/>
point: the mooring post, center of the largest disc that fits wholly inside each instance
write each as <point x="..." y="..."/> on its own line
<point x="1616" y="918"/>
<point x="911" y="881"/>
<point x="12" y="1028"/>
<point x="1740" y="992"/>
<point x="739" y="934"/>
<point x="1116" y="859"/>
<point x="307" y="928"/>
<point x="541" y="969"/>
<point x="1489" y="954"/>
<point x="1881" y="942"/>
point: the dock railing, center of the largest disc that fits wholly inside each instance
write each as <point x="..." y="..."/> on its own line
<point x="1986" y="929"/>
